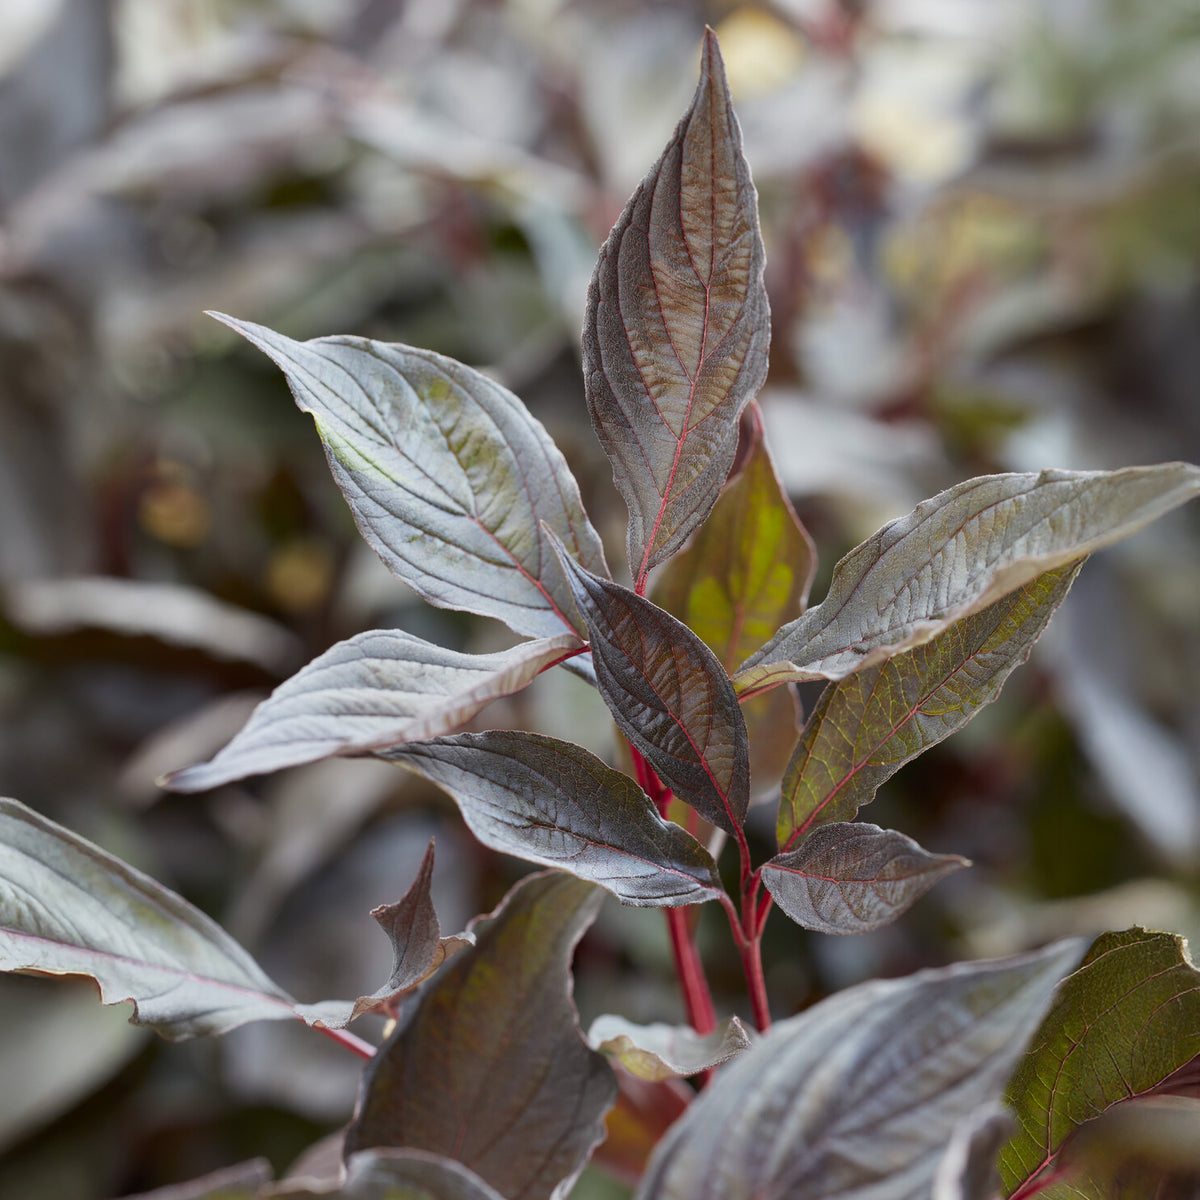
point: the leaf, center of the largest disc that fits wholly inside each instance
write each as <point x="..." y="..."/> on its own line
<point x="375" y="690"/>
<point x="956" y="554"/>
<point x="866" y="727"/>
<point x="670" y="697"/>
<point x="555" y="803"/>
<point x="395" y="1175"/>
<point x="859" y="1095"/>
<point x="853" y="877"/>
<point x="656" y="1052"/>
<point x="418" y="949"/>
<point x="677" y="327"/>
<point x="746" y="571"/>
<point x="241" y="1182"/>
<point x="448" y="476"/>
<point x="968" y="1168"/>
<point x="490" y="1068"/>
<point x="1122" y="1023"/>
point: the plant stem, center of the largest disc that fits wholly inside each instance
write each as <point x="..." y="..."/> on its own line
<point x="352" y="1042"/>
<point x="697" y="999"/>
<point x="752" y="966"/>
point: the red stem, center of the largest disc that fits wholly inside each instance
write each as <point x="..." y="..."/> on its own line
<point x="752" y="965"/>
<point x="697" y="999"/>
<point x="352" y="1042"/>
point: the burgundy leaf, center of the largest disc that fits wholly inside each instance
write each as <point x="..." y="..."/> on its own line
<point x="677" y="327"/>
<point x="670" y="697"/>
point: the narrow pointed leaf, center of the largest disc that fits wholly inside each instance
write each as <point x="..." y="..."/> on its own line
<point x="1124" y="1022"/>
<point x="555" y="803"/>
<point x="677" y="327"/>
<point x="491" y="1069"/>
<point x="418" y="949"/>
<point x="867" y="726"/>
<point x="745" y="572"/>
<point x="956" y="554"/>
<point x="670" y="697"/>
<point x="375" y="690"/>
<point x="446" y="472"/>
<point x="853" y="877"/>
<point x="657" y="1052"/>
<point x="394" y="1175"/>
<point x="861" y="1094"/>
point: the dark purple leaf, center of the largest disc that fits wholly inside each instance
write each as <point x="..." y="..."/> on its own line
<point x="554" y="803"/>
<point x="853" y="877"/>
<point x="670" y="697"/>
<point x="677" y="327"/>
<point x="490" y="1069"/>
<point x="447" y="475"/>
<point x="394" y="1175"/>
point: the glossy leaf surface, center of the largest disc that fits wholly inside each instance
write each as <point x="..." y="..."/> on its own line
<point x="747" y="571"/>
<point x="656" y="1052"/>
<point x="677" y="328"/>
<point x="446" y="472"/>
<point x="957" y="553"/>
<point x="859" y="1095"/>
<point x="1125" y="1021"/>
<point x="491" y="1069"/>
<point x="864" y="728"/>
<point x="555" y="803"/>
<point x="669" y="696"/>
<point x="851" y="877"/>
<point x="375" y="690"/>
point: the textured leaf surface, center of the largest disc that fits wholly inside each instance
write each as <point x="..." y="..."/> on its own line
<point x="554" y="803"/>
<point x="395" y="1175"/>
<point x="677" y="327"/>
<point x="447" y="475"/>
<point x="656" y="1052"/>
<point x="860" y="1095"/>
<point x="957" y="553"/>
<point x="853" y="877"/>
<point x="866" y="727"/>
<point x="491" y="1069"/>
<point x="375" y="690"/>
<point x="1127" y="1019"/>
<point x="670" y="697"/>
<point x="747" y="571"/>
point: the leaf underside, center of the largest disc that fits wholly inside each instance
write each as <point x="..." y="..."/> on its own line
<point x="447" y="474"/>
<point x="490" y="1069"/>
<point x="677" y="327"/>
<point x="957" y="553"/>
<point x="657" y="1052"/>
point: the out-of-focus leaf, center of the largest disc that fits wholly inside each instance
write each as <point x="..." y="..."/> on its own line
<point x="555" y="803"/>
<point x="968" y="1168"/>
<point x="372" y="691"/>
<point x="957" y="553"/>
<point x="394" y="1175"/>
<point x="241" y="1182"/>
<point x="643" y="1113"/>
<point x="862" y="1093"/>
<point x="448" y="476"/>
<point x="656" y="1052"/>
<point x="491" y="1069"/>
<point x="747" y="570"/>
<point x="851" y="877"/>
<point x="670" y="697"/>
<point x="171" y="612"/>
<point x="677" y="327"/>
<point x="867" y="726"/>
<point x="1122" y="1023"/>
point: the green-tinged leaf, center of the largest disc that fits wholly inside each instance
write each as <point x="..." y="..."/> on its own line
<point x="418" y="949"/>
<point x="864" y="728"/>
<point x="394" y="1175"/>
<point x="490" y="1068"/>
<point x="656" y="1052"/>
<point x="375" y="690"/>
<point x="747" y="571"/>
<point x="968" y="1168"/>
<point x="670" y="697"/>
<point x="860" y="1095"/>
<point x="448" y="476"/>
<point x="554" y="803"/>
<point x="677" y="327"/>
<point x="241" y="1182"/>
<point x="1125" y="1021"/>
<point x="853" y="877"/>
<point x="958" y="553"/>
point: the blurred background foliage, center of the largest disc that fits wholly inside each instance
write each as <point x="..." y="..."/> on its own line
<point x="983" y="234"/>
